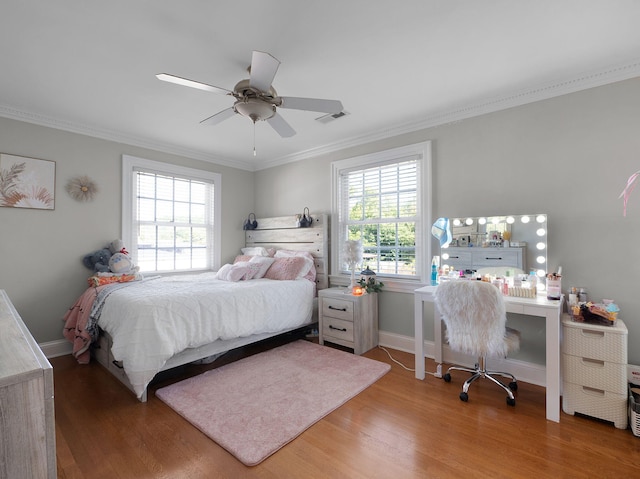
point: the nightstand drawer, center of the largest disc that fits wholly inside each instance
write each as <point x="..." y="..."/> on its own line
<point x="337" y="308"/>
<point x="337" y="328"/>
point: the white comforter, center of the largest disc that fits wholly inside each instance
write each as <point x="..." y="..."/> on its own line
<point x="152" y="320"/>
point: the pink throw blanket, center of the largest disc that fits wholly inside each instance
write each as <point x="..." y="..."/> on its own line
<point x="75" y="323"/>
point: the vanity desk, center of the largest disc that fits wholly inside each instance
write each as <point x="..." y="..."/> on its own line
<point x="539" y="307"/>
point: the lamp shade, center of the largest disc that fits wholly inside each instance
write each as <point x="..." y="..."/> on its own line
<point x="352" y="252"/>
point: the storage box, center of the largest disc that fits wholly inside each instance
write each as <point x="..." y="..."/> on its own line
<point x="634" y="413"/>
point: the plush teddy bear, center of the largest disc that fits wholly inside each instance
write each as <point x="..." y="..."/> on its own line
<point x="98" y="261"/>
<point x="120" y="262"/>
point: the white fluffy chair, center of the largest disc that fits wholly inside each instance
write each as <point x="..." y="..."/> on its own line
<point x="475" y="316"/>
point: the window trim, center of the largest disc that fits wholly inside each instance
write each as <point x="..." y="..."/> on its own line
<point x="423" y="245"/>
<point x="129" y="163"/>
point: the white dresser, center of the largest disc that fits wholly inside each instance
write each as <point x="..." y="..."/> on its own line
<point x="348" y="320"/>
<point x="27" y="428"/>
<point x="594" y="368"/>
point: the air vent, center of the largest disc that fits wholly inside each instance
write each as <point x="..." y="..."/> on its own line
<point x="332" y="116"/>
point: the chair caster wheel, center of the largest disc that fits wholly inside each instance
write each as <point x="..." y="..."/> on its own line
<point x="464" y="397"/>
<point x="513" y="386"/>
<point x="511" y="402"/>
<point x="447" y="377"/>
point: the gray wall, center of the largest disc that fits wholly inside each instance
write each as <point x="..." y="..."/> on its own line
<point x="569" y="157"/>
<point x="41" y="250"/>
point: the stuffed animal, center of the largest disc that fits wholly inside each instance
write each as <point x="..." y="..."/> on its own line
<point x="98" y="261"/>
<point x="120" y="262"/>
<point x="114" y="258"/>
<point x="117" y="246"/>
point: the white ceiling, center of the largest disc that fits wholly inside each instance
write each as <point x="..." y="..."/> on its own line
<point x="89" y="66"/>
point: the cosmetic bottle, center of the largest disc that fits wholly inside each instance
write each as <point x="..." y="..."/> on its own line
<point x="434" y="272"/>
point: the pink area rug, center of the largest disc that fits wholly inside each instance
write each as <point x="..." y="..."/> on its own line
<point x="258" y="404"/>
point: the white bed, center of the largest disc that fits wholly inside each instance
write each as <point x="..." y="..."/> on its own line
<point x="161" y="323"/>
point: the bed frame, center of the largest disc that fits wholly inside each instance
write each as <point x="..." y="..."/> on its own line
<point x="277" y="232"/>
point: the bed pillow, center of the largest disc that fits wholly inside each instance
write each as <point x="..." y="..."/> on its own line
<point x="263" y="264"/>
<point x="290" y="268"/>
<point x="242" y="257"/>
<point x="255" y="251"/>
<point x="241" y="271"/>
<point x="286" y="253"/>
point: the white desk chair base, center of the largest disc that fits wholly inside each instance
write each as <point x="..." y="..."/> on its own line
<point x="480" y="371"/>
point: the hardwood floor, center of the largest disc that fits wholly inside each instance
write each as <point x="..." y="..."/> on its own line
<point x="398" y="428"/>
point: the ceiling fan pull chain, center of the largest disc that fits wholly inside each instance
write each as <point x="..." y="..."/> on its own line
<point x="254" y="139"/>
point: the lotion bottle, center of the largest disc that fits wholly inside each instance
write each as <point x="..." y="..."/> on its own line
<point x="434" y="271"/>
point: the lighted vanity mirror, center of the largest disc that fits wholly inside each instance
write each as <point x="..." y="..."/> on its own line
<point x="513" y="242"/>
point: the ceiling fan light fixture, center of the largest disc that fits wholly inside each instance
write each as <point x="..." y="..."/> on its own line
<point x="254" y="109"/>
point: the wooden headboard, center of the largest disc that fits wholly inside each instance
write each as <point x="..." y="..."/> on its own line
<point x="281" y="233"/>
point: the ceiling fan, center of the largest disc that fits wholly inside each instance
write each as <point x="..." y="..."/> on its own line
<point x="256" y="98"/>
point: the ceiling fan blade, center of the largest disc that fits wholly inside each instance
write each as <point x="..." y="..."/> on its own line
<point x="191" y="83"/>
<point x="263" y="70"/>
<point x="219" y="117"/>
<point x="311" y="104"/>
<point x="281" y="126"/>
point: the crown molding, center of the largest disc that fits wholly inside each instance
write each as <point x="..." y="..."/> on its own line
<point x="533" y="94"/>
<point x="521" y="97"/>
<point x="119" y="137"/>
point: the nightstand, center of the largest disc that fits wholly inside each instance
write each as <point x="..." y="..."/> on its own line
<point x="347" y="320"/>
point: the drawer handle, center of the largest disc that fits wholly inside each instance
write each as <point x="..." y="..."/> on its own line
<point x="344" y="330"/>
<point x="338" y="309"/>
<point x="587" y="332"/>
<point x="493" y="258"/>
<point x="593" y="362"/>
<point x="454" y="257"/>
<point x="115" y="363"/>
<point x="593" y="391"/>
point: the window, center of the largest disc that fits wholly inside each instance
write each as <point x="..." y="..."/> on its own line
<point x="383" y="200"/>
<point x="169" y="216"/>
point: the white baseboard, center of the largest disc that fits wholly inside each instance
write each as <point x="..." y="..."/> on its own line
<point x="60" y="347"/>
<point x="524" y="371"/>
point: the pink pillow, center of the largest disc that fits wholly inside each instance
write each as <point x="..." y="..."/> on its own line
<point x="242" y="257"/>
<point x="285" y="253"/>
<point x="294" y="267"/>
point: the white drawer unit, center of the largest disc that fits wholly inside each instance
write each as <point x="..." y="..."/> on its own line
<point x="351" y="321"/>
<point x="594" y="368"/>
<point x="477" y="257"/>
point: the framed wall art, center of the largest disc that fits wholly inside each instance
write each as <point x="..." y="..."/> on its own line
<point x="27" y="182"/>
